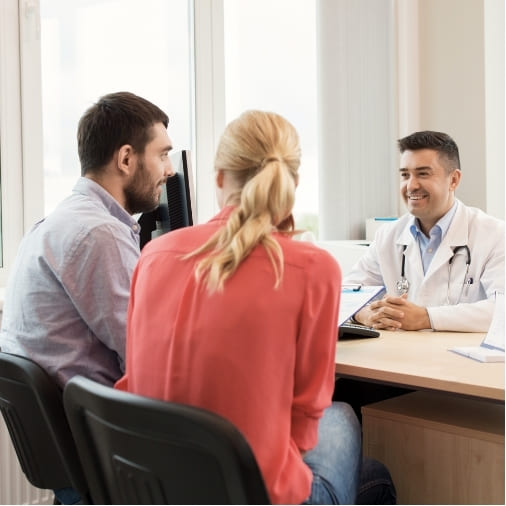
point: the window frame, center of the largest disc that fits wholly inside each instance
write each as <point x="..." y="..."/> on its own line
<point x="11" y="155"/>
<point x="209" y="110"/>
<point x="21" y="118"/>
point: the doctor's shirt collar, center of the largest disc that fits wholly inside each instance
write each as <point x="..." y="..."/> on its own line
<point x="443" y="224"/>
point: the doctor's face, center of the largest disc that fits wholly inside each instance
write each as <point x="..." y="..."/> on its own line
<point x="427" y="188"/>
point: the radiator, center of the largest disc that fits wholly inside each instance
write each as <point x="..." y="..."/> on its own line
<point x="14" y="487"/>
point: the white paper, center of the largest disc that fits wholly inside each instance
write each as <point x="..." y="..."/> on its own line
<point x="480" y="353"/>
<point x="492" y="346"/>
<point x="495" y="334"/>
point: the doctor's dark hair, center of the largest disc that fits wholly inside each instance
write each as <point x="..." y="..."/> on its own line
<point x="442" y="143"/>
<point x="115" y="120"/>
<point x="261" y="153"/>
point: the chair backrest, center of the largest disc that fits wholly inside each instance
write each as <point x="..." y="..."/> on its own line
<point x="32" y="406"/>
<point x="138" y="450"/>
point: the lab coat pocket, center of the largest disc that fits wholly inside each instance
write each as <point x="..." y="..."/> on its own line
<point x="465" y="290"/>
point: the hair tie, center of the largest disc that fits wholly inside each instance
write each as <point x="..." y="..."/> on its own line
<point x="265" y="161"/>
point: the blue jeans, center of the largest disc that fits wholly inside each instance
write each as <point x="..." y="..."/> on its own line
<point x="340" y="474"/>
<point x="336" y="459"/>
<point x="376" y="485"/>
<point x="67" y="495"/>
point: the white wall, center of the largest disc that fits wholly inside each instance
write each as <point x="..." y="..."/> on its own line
<point x="452" y="84"/>
<point x="388" y="68"/>
<point x="357" y="115"/>
<point x="495" y="105"/>
<point x="461" y="78"/>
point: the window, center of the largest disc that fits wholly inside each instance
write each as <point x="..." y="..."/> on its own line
<point x="270" y="64"/>
<point x="90" y="48"/>
<point x="10" y="137"/>
<point x="1" y="252"/>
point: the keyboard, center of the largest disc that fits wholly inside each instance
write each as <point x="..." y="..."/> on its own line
<point x="355" y="331"/>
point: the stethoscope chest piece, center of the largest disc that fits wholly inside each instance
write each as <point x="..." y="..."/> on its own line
<point x="402" y="286"/>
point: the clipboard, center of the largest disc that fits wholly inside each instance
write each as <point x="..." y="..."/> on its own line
<point x="354" y="298"/>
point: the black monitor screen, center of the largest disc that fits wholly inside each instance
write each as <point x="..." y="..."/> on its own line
<point x="177" y="203"/>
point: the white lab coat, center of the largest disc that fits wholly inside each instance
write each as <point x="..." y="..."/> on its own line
<point x="470" y="312"/>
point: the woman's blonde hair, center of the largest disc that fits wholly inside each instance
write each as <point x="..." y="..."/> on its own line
<point x="260" y="151"/>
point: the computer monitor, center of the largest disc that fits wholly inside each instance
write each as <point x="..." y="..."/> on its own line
<point x="177" y="201"/>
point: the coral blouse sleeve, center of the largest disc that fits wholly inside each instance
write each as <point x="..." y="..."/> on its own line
<point x="315" y="348"/>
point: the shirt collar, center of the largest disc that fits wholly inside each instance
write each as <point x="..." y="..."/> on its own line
<point x="443" y="223"/>
<point x="93" y="190"/>
<point x="224" y="213"/>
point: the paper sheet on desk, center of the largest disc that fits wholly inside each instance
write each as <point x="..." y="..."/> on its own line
<point x="492" y="347"/>
<point x="480" y="353"/>
<point x="353" y="300"/>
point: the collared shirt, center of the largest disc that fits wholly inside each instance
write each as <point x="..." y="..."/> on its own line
<point x="67" y="295"/>
<point x="429" y="245"/>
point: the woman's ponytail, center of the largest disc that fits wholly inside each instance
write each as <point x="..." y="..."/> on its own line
<point x="261" y="152"/>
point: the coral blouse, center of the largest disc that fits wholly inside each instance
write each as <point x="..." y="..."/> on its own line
<point x="261" y="357"/>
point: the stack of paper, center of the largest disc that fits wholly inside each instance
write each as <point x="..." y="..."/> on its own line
<point x="492" y="347"/>
<point x="480" y="353"/>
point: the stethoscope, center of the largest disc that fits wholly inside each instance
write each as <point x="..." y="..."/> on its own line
<point x="403" y="284"/>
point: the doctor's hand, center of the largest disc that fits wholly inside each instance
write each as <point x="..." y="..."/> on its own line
<point x="392" y="313"/>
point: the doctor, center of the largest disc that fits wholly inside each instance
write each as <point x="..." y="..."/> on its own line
<point x="442" y="263"/>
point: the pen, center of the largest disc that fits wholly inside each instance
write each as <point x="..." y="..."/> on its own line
<point x="468" y="282"/>
<point x="355" y="287"/>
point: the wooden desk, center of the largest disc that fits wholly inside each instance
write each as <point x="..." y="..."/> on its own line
<point x="440" y="447"/>
<point x="421" y="360"/>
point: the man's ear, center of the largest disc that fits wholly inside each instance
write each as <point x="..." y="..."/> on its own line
<point x="455" y="179"/>
<point x="125" y="160"/>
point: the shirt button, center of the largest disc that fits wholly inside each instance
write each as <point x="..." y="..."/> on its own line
<point x="135" y="227"/>
<point x="430" y="250"/>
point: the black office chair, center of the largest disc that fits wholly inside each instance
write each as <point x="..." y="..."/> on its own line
<point x="137" y="450"/>
<point x="32" y="406"/>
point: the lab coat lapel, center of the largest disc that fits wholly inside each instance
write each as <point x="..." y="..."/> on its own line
<point x="458" y="233"/>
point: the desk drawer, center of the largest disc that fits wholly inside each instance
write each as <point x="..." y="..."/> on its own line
<point x="440" y="449"/>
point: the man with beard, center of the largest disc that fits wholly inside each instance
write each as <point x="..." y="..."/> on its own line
<point x="67" y="295"/>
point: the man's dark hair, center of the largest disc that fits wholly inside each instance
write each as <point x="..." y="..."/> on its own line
<point x="115" y="120"/>
<point x="442" y="143"/>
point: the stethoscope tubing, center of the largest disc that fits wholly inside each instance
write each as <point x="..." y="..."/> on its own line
<point x="403" y="283"/>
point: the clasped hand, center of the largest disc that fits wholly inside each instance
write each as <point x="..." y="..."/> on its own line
<point x="393" y="313"/>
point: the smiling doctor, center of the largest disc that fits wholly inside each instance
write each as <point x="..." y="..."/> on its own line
<point x="441" y="263"/>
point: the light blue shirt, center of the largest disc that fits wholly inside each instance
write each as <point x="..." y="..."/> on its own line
<point x="67" y="295"/>
<point x="429" y="245"/>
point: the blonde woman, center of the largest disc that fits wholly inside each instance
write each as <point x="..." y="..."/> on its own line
<point x="236" y="317"/>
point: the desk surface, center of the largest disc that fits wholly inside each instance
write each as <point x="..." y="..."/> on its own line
<point x="421" y="360"/>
